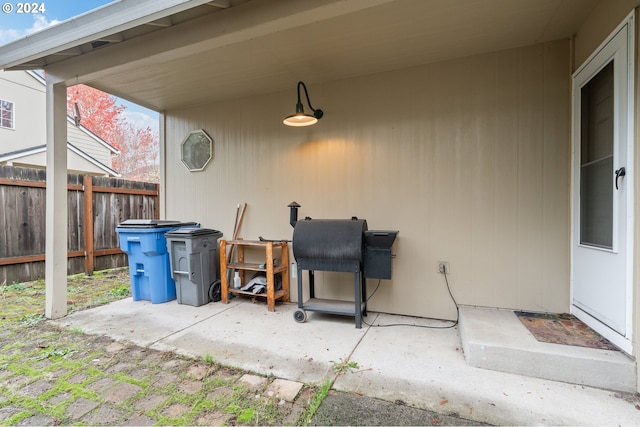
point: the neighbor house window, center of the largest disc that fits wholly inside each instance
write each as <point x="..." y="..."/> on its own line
<point x="6" y="114"/>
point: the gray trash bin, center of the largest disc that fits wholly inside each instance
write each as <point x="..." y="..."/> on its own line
<point x="194" y="261"/>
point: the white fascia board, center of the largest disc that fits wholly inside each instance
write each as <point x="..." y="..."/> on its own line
<point x="93" y="161"/>
<point x="37" y="77"/>
<point x="87" y="27"/>
<point x="42" y="148"/>
<point x="22" y="153"/>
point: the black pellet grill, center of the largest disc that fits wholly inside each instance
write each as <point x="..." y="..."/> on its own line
<point x="340" y="245"/>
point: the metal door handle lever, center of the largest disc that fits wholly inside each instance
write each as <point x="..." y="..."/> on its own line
<point x="620" y="172"/>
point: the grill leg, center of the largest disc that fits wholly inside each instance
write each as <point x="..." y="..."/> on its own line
<point x="312" y="284"/>
<point x="364" y="294"/>
<point x="300" y="295"/>
<point x="358" y="298"/>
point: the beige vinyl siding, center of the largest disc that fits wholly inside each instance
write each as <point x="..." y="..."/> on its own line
<point x="604" y="18"/>
<point x="468" y="159"/>
<point x="84" y="142"/>
<point x="27" y="95"/>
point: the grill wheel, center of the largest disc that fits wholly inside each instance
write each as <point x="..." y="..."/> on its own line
<point x="300" y="316"/>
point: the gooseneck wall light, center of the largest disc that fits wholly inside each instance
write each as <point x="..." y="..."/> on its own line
<point x="300" y="118"/>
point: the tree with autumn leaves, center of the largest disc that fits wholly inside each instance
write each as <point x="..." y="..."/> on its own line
<point x="100" y="113"/>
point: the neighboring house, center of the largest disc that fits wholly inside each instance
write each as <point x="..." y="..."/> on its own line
<point x="498" y="136"/>
<point x="23" y="129"/>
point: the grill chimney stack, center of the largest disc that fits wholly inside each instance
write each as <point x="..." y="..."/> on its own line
<point x="293" y="213"/>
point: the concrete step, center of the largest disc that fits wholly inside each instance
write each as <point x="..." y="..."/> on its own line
<point x="497" y="340"/>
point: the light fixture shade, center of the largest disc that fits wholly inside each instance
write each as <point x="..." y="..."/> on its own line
<point x="300" y="119"/>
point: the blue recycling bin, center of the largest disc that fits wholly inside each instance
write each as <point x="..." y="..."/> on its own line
<point x="149" y="267"/>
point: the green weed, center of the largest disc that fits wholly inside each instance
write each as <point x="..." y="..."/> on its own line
<point x="318" y="397"/>
<point x="52" y="353"/>
<point x="344" y="366"/>
<point x="14" y="287"/>
<point x="31" y="319"/>
<point x="246" y="415"/>
<point x="120" y="292"/>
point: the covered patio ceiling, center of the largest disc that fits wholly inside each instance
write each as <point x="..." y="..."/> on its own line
<point x="198" y="51"/>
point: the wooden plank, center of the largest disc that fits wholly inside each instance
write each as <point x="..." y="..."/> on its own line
<point x="75" y="240"/>
<point x="35" y="258"/>
<point x="255" y="243"/>
<point x="34" y="184"/>
<point x="284" y="259"/>
<point x="255" y="267"/>
<point x="280" y="294"/>
<point x="224" y="284"/>
<point x="21" y="259"/>
<point x="125" y="191"/>
<point x="271" y="302"/>
<point x="104" y="252"/>
<point x="88" y="225"/>
<point x="22" y="183"/>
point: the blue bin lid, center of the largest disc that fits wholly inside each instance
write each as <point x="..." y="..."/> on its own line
<point x="153" y="223"/>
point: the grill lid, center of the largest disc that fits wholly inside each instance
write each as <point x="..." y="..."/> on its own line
<point x="329" y="239"/>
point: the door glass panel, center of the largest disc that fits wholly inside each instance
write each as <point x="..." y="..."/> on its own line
<point x="596" y="165"/>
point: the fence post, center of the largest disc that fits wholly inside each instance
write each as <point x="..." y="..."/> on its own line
<point x="88" y="225"/>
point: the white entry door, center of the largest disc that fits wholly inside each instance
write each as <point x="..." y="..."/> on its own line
<point x="602" y="189"/>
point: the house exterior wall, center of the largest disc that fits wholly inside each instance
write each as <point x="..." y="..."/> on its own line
<point x="27" y="95"/>
<point x="468" y="159"/>
<point x="84" y="142"/>
<point x="604" y="18"/>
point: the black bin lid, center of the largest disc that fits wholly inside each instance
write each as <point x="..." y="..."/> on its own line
<point x="191" y="232"/>
<point x="153" y="223"/>
<point x="380" y="238"/>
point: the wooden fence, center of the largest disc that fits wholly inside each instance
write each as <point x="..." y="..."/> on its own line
<point x="96" y="205"/>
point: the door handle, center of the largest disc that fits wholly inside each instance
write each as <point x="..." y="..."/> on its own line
<point x="620" y="172"/>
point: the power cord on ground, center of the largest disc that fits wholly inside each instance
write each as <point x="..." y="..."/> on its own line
<point x="453" y="325"/>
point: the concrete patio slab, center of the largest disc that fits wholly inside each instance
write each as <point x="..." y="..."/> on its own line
<point x="422" y="368"/>
<point x="141" y="322"/>
<point x="426" y="368"/>
<point x="247" y="336"/>
<point x="512" y="348"/>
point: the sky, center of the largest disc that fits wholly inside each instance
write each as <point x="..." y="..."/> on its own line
<point x="19" y="19"/>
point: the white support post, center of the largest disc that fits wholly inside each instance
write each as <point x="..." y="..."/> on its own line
<point x="56" y="201"/>
<point x="162" y="209"/>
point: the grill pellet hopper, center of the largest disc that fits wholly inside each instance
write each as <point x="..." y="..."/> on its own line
<point x="339" y="245"/>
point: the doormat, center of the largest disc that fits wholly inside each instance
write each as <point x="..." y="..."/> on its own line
<point x="563" y="329"/>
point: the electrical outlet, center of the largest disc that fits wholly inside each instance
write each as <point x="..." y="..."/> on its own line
<point x="443" y="267"/>
<point x="294" y="270"/>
